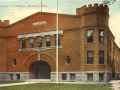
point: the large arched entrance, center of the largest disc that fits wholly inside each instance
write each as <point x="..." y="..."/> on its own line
<point x="42" y="70"/>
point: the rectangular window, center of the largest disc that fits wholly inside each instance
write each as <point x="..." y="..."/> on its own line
<point x="89" y="57"/>
<point x="47" y="40"/>
<point x="72" y="77"/>
<point x="101" y="76"/>
<point x="64" y="76"/>
<point x="12" y="76"/>
<point x="90" y="36"/>
<point x="101" y="57"/>
<point x="90" y="76"/>
<point x="23" y="44"/>
<point x="18" y="76"/>
<point x="39" y="41"/>
<point x="101" y="36"/>
<point x="31" y="42"/>
<point x="55" y="38"/>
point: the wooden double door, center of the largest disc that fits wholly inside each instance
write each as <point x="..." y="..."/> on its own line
<point x="42" y="70"/>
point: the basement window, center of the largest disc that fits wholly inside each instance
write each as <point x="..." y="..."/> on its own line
<point x="18" y="76"/>
<point x="72" y="77"/>
<point x="64" y="76"/>
<point x="12" y="76"/>
<point x="101" y="76"/>
<point x="90" y="77"/>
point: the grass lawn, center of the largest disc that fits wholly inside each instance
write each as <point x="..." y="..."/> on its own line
<point x="52" y="86"/>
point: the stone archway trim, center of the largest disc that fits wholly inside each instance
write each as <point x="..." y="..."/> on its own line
<point x="44" y="57"/>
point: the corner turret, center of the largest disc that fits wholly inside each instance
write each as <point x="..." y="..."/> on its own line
<point x="93" y="14"/>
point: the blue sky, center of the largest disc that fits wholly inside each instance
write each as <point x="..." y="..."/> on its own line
<point x="9" y="11"/>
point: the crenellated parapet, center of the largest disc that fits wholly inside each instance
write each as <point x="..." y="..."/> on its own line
<point x="4" y="22"/>
<point x="92" y="8"/>
<point x="97" y="14"/>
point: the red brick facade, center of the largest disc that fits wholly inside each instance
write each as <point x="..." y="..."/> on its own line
<point x="73" y="41"/>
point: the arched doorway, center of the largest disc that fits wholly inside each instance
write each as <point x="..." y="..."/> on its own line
<point x="42" y="70"/>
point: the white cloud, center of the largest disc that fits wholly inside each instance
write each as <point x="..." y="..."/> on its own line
<point x="114" y="25"/>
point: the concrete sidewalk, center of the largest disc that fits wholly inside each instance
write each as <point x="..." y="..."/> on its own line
<point x="12" y="84"/>
<point x="115" y="84"/>
<point x="114" y="81"/>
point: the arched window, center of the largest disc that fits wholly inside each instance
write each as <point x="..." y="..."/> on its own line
<point x="68" y="59"/>
<point x="14" y="62"/>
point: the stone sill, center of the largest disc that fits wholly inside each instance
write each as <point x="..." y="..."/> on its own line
<point x="89" y="64"/>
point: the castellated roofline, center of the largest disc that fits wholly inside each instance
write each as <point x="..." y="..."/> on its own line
<point x="95" y="5"/>
<point x="92" y="8"/>
<point x="4" y="22"/>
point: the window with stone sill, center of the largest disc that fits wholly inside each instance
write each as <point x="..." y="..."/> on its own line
<point x="89" y="36"/>
<point x="55" y="39"/>
<point x="101" y="36"/>
<point x="89" y="57"/>
<point x="47" y="37"/>
<point x="39" y="41"/>
<point x="101" y="57"/>
<point x="23" y="43"/>
<point x="30" y="42"/>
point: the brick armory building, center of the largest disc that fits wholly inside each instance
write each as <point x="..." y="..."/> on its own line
<point x="87" y="49"/>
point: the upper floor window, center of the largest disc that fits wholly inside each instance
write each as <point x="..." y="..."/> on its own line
<point x="31" y="42"/>
<point x="39" y="41"/>
<point x="101" y="36"/>
<point x="89" y="57"/>
<point x="23" y="44"/>
<point x="101" y="57"/>
<point x="55" y="38"/>
<point x="89" y="36"/>
<point x="47" y="40"/>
